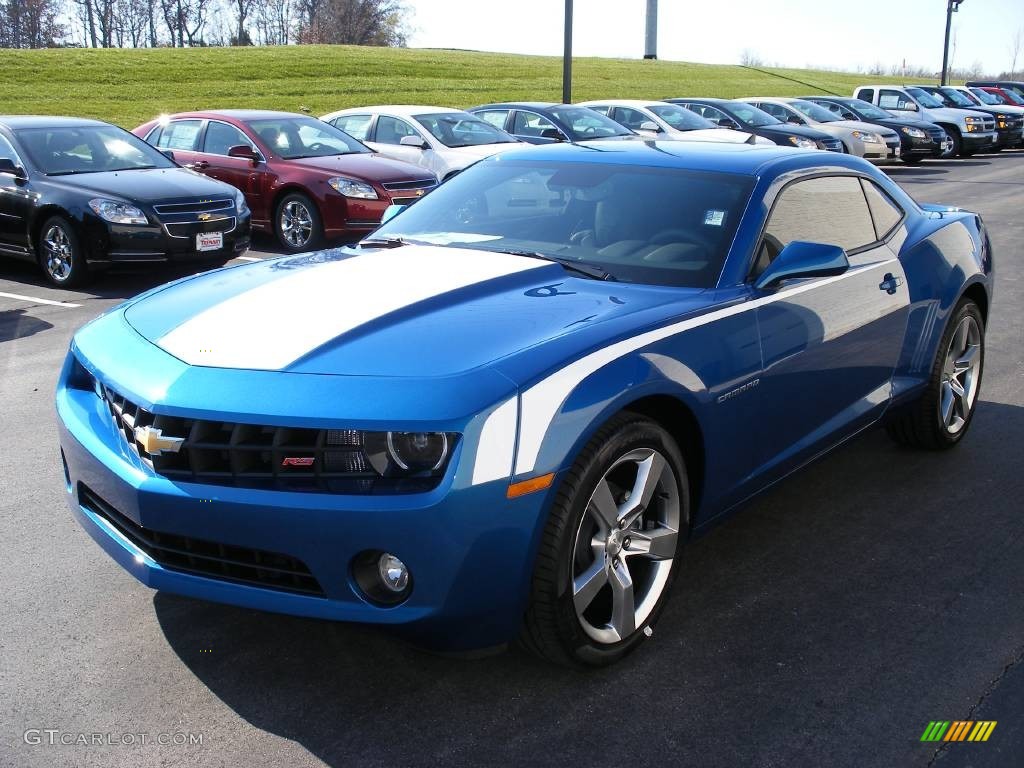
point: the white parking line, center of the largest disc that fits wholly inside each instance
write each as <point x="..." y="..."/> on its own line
<point x="247" y="258"/>
<point x="34" y="300"/>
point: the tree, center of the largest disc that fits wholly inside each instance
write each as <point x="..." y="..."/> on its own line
<point x="353" y="22"/>
<point x="1016" y="46"/>
<point x="30" y="24"/>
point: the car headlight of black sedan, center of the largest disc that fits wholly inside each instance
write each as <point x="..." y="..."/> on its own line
<point x="117" y="211"/>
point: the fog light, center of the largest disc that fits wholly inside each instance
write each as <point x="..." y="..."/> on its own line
<point x="393" y="573"/>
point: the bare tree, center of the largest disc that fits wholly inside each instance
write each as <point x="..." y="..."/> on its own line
<point x="184" y="20"/>
<point x="273" y="21"/>
<point x="354" y="22"/>
<point x="242" y="9"/>
<point x="1016" y="46"/>
<point x="749" y="58"/>
<point x="30" y="24"/>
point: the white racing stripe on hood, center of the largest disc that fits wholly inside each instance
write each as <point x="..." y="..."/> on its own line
<point x="276" y="323"/>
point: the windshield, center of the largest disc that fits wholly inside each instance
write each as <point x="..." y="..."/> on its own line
<point x="750" y="115"/>
<point x="987" y="98"/>
<point x="869" y="110"/>
<point x="679" y="118"/>
<point x="596" y="214"/>
<point x="925" y="98"/>
<point x="1013" y="97"/>
<point x="461" y="129"/>
<point x="88" y="149"/>
<point x="958" y="97"/>
<point x="293" y="138"/>
<point x="813" y="111"/>
<point x="586" y="124"/>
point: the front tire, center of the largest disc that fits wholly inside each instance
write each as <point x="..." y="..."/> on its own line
<point x="297" y="223"/>
<point x="954" y="146"/>
<point x="941" y="416"/>
<point x="60" y="254"/>
<point x="610" y="550"/>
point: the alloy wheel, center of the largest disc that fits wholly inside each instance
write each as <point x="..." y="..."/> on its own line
<point x="960" y="379"/>
<point x="625" y="545"/>
<point x="296" y="224"/>
<point x="59" y="254"/>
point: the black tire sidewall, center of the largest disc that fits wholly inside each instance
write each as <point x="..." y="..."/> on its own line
<point x="79" y="268"/>
<point x="965" y="308"/>
<point x="315" y="237"/>
<point x="633" y="434"/>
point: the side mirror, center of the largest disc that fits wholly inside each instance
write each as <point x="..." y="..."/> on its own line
<point x="7" y="165"/>
<point x="910" y="106"/>
<point x="551" y="133"/>
<point x="794" y="120"/>
<point x="725" y="122"/>
<point x="650" y="125"/>
<point x="169" y="154"/>
<point x="390" y="212"/>
<point x="412" y="141"/>
<point x="243" y="151"/>
<point x="802" y="259"/>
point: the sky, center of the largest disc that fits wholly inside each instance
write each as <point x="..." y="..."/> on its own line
<point x="837" y="34"/>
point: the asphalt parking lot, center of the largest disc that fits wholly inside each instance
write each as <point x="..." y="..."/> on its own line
<point x="826" y="624"/>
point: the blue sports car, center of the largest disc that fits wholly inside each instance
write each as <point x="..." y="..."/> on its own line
<point x="501" y="415"/>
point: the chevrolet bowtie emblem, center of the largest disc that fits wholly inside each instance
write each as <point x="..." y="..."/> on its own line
<point x="154" y="443"/>
<point x="204" y="217"/>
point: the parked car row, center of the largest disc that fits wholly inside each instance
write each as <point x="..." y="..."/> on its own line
<point x="77" y="194"/>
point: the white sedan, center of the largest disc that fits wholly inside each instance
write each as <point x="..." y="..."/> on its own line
<point x="439" y="139"/>
<point x="658" y="119"/>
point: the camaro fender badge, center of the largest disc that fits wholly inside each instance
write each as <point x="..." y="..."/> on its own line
<point x="154" y="443"/>
<point x="298" y="461"/>
<point x="738" y="391"/>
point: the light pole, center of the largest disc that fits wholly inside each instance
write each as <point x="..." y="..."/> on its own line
<point x="651" y="38"/>
<point x="567" y="56"/>
<point x="952" y="6"/>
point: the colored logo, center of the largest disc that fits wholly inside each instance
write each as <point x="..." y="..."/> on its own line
<point x="958" y="730"/>
<point x="204" y="217"/>
<point x="298" y="461"/>
<point x="154" y="443"/>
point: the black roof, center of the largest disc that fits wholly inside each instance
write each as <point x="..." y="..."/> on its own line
<point x="14" y="122"/>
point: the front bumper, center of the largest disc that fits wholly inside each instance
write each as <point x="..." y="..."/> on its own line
<point x="469" y="548"/>
<point x="117" y="243"/>
<point x="977" y="141"/>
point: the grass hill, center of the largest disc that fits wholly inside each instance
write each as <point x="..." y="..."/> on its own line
<point x="128" y="87"/>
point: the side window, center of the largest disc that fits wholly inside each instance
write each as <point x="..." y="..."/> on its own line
<point x="602" y="108"/>
<point x="391" y="130"/>
<point x="866" y="94"/>
<point x="531" y="124"/>
<point x="708" y="113"/>
<point x="356" y="126"/>
<point x="884" y="211"/>
<point x="775" y="110"/>
<point x="7" y="151"/>
<point x="220" y="137"/>
<point x="631" y="118"/>
<point x="892" y="100"/>
<point x="180" y="134"/>
<point x="827" y="209"/>
<point x="495" y="117"/>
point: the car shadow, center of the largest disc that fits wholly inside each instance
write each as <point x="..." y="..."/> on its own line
<point x="916" y="170"/>
<point x="794" y="628"/>
<point x="18" y="324"/>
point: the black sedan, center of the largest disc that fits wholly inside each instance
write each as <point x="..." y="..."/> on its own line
<point x="918" y="139"/>
<point x="76" y="193"/>
<point x="539" y="122"/>
<point x="743" y="117"/>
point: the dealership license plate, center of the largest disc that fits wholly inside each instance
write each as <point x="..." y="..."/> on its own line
<point x="213" y="241"/>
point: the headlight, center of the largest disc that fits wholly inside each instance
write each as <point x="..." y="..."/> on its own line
<point x="352" y="188"/>
<point x="974" y="119"/>
<point x="914" y="133"/>
<point x="867" y="138"/>
<point x="117" y="212"/>
<point x="800" y="141"/>
<point x="241" y="207"/>
<point x="407" y="453"/>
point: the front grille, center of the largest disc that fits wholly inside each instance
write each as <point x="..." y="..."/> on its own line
<point x="833" y="145"/>
<point x="936" y="133"/>
<point x="258" y="456"/>
<point x="224" y="562"/>
<point x="404" y="200"/>
<point x="196" y="206"/>
<point x="188" y="229"/>
<point x="395" y="186"/>
<point x="989" y="123"/>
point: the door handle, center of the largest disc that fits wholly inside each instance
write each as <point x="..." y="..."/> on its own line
<point x="199" y="165"/>
<point x="890" y="283"/>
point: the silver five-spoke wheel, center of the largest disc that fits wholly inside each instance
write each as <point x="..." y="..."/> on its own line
<point x="625" y="545"/>
<point x="58" y="253"/>
<point x="296" y="223"/>
<point x="959" y="386"/>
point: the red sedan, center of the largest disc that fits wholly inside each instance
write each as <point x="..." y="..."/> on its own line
<point x="305" y="180"/>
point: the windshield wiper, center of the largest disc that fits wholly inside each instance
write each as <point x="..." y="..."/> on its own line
<point x="592" y="271"/>
<point x="390" y="242"/>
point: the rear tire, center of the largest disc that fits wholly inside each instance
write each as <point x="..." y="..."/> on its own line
<point x="940" y="417"/>
<point x="610" y="549"/>
<point x="60" y="254"/>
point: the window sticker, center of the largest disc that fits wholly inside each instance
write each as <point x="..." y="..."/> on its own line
<point x="714" y="218"/>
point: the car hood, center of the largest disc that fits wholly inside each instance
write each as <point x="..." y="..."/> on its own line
<point x="857" y="125"/>
<point x="151" y="185"/>
<point x="369" y="166"/>
<point x="787" y="129"/>
<point x="727" y="135"/>
<point x="412" y="311"/>
<point x="480" y="151"/>
<point x="954" y="115"/>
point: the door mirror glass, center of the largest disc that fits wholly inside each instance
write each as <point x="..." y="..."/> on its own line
<point x="551" y="133"/>
<point x="794" y="120"/>
<point x="803" y="259"/>
<point x="243" y="151"/>
<point x="413" y="141"/>
<point x="650" y="125"/>
<point x="169" y="154"/>
<point x="725" y="122"/>
<point x="9" y="166"/>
